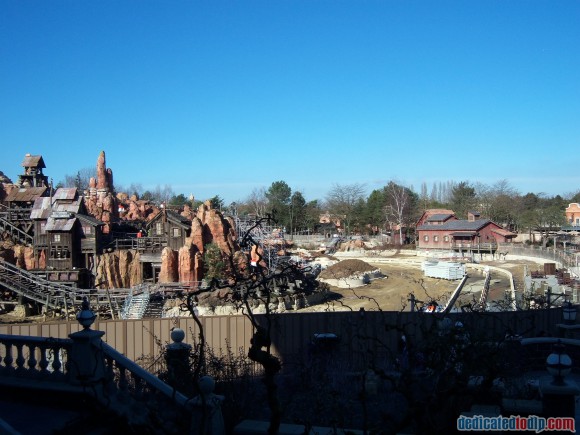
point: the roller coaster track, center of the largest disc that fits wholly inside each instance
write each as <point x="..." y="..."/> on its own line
<point x="15" y="233"/>
<point x="485" y="291"/>
<point x="53" y="295"/>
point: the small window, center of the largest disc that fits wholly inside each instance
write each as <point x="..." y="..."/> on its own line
<point x="159" y="228"/>
<point x="56" y="237"/>
<point x="87" y="230"/>
<point x="176" y="232"/>
<point x="425" y="238"/>
<point x="445" y="238"/>
<point x="435" y="238"/>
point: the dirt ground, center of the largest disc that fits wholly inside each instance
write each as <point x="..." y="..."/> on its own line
<point x="392" y="292"/>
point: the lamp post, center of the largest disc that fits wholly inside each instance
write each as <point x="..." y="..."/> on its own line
<point x="559" y="364"/>
<point x="559" y="394"/>
<point x="569" y="313"/>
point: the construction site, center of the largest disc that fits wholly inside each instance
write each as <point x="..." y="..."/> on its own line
<point x="61" y="246"/>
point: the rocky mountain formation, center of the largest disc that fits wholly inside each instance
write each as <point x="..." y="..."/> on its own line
<point x="121" y="268"/>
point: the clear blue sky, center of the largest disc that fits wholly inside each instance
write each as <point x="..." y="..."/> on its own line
<point x="221" y="97"/>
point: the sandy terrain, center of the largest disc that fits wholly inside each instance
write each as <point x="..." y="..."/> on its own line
<point x="391" y="293"/>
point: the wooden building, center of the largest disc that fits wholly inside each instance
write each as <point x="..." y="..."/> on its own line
<point x="171" y="226"/>
<point x="435" y="216"/>
<point x="443" y="231"/>
<point x="33" y="176"/>
<point x="20" y="197"/>
<point x="65" y="237"/>
<point x="91" y="238"/>
<point x="19" y="203"/>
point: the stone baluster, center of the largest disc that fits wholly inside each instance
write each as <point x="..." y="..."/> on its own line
<point x="138" y="387"/>
<point x="123" y="383"/>
<point x="111" y="388"/>
<point x="56" y="362"/>
<point x="43" y="363"/>
<point x="20" y="358"/>
<point x="8" y="360"/>
<point x="32" y="358"/>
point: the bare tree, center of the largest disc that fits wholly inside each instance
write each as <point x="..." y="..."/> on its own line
<point x="257" y="201"/>
<point x="342" y="201"/>
<point x="81" y="179"/>
<point x="398" y="206"/>
<point x="249" y="285"/>
<point x="163" y="194"/>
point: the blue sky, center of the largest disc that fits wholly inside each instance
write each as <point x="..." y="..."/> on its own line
<point x="222" y="97"/>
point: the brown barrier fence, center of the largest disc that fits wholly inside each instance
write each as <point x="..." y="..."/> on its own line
<point x="361" y="335"/>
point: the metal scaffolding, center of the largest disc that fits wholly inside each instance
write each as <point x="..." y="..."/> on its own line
<point x="262" y="233"/>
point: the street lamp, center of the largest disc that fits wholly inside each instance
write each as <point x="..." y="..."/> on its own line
<point x="569" y="313"/>
<point x="559" y="364"/>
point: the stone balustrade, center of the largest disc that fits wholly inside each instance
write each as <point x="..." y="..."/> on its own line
<point x="34" y="358"/>
<point x="85" y="364"/>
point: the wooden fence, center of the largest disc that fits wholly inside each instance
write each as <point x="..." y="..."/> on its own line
<point x="361" y="335"/>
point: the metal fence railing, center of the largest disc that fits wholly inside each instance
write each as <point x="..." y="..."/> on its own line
<point x="566" y="259"/>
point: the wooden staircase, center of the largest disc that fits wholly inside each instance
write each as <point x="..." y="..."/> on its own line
<point x="136" y="302"/>
<point x="55" y="296"/>
<point x="15" y="233"/>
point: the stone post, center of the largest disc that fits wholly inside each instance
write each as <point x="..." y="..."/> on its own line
<point x="206" y="416"/>
<point x="177" y="359"/>
<point x="559" y="400"/>
<point x="86" y="364"/>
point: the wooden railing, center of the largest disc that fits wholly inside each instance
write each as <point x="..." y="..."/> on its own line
<point x="140" y="243"/>
<point x="474" y="246"/>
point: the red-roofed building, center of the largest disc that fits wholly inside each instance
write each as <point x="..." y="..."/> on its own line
<point x="441" y="230"/>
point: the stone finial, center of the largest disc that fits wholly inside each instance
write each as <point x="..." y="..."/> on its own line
<point x="211" y="416"/>
<point x="177" y="335"/>
<point x="85" y="316"/>
<point x="206" y="385"/>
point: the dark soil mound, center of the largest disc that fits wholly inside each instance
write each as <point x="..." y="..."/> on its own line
<point x="346" y="268"/>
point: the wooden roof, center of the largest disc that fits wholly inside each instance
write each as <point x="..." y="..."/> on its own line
<point x="53" y="224"/>
<point x="65" y="193"/>
<point x="41" y="208"/>
<point x="172" y="216"/>
<point x="64" y="200"/>
<point x="33" y="162"/>
<point x="458" y="225"/>
<point x="503" y="232"/>
<point x="90" y="220"/>
<point x="433" y="211"/>
<point x="462" y="228"/>
<point x="25" y="194"/>
<point x="439" y="217"/>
